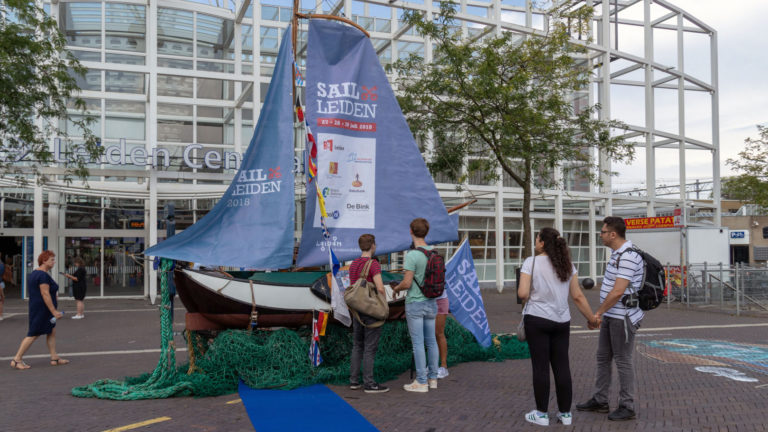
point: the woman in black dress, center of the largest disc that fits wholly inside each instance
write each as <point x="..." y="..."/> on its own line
<point x="78" y="286"/>
<point x="43" y="292"/>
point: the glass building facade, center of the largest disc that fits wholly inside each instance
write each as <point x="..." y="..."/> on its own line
<point x="172" y="81"/>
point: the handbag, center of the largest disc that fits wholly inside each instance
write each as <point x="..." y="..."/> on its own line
<point x="521" y="326"/>
<point x="363" y="297"/>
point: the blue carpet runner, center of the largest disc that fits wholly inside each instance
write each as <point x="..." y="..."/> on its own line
<point x="315" y="408"/>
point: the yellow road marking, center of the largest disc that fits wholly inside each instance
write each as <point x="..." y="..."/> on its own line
<point x="234" y="401"/>
<point x="139" y="424"/>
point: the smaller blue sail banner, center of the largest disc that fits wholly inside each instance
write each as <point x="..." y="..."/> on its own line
<point x="371" y="176"/>
<point x="464" y="294"/>
<point x="253" y="224"/>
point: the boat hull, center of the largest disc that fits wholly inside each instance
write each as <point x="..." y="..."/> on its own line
<point x="216" y="301"/>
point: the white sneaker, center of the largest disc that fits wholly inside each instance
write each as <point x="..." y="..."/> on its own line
<point x="432" y="383"/>
<point x="565" y="418"/>
<point x="536" y="418"/>
<point x="417" y="387"/>
<point x="78" y="316"/>
<point x="442" y="372"/>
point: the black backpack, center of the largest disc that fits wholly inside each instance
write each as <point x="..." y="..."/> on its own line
<point x="434" y="274"/>
<point x="651" y="292"/>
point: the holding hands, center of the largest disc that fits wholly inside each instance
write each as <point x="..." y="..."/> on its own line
<point x="594" y="322"/>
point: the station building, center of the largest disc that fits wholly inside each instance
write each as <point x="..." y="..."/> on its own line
<point x="176" y="87"/>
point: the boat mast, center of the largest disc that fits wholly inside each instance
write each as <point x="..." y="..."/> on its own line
<point x="294" y="32"/>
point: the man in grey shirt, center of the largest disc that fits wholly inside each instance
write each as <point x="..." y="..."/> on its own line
<point x="623" y="276"/>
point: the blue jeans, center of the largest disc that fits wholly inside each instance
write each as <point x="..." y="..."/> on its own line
<point x="421" y="325"/>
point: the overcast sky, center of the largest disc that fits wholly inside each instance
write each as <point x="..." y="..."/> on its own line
<point x="742" y="30"/>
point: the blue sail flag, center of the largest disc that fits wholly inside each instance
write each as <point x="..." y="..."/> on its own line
<point x="464" y="294"/>
<point x="253" y="223"/>
<point x="371" y="174"/>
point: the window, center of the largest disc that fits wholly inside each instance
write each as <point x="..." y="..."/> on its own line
<point x="174" y="123"/>
<point x="215" y="89"/>
<point x="174" y="32"/>
<point x="215" y="37"/>
<point x="171" y="85"/>
<point x="125" y="119"/>
<point x="269" y="39"/>
<point x="125" y="82"/>
<point x="125" y="27"/>
<point x="81" y="24"/>
<point x="761" y="253"/>
<point x="91" y="80"/>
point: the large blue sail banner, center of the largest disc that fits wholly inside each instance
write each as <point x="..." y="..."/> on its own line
<point x="464" y="294"/>
<point x="369" y="169"/>
<point x="253" y="223"/>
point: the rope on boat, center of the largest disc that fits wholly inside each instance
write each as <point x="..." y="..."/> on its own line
<point x="165" y="381"/>
<point x="254" y="313"/>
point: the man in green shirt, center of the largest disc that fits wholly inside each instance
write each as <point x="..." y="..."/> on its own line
<point x="420" y="311"/>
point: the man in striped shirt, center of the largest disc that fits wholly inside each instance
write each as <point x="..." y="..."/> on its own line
<point x="623" y="276"/>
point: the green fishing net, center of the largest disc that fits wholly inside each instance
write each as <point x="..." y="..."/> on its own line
<point x="279" y="359"/>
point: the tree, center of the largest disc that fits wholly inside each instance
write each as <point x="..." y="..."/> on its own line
<point x="507" y="101"/>
<point x="751" y="186"/>
<point x="37" y="87"/>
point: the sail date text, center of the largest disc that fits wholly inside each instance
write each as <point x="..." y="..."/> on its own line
<point x="238" y="202"/>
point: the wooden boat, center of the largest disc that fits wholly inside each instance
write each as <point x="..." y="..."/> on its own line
<point x="216" y="300"/>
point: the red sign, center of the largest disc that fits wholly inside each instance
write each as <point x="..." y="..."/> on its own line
<point x="650" y="222"/>
<point x="678" y="214"/>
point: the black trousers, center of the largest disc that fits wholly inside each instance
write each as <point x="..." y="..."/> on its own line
<point x="548" y="343"/>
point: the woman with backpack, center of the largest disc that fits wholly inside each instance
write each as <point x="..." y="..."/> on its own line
<point x="546" y="280"/>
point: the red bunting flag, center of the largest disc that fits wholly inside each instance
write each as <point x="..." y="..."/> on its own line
<point x="322" y="321"/>
<point x="299" y="111"/>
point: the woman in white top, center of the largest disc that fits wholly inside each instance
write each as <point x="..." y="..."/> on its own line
<point x="547" y="320"/>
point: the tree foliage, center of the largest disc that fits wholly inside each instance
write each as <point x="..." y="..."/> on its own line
<point x="37" y="89"/>
<point x="507" y="101"/>
<point x="751" y="186"/>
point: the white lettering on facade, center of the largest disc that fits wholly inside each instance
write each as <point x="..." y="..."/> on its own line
<point x="139" y="156"/>
<point x="116" y="154"/>
<point x="121" y="154"/>
<point x="186" y="155"/>
<point x="212" y="160"/>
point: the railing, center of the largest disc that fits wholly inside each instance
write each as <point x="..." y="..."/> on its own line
<point x="736" y="288"/>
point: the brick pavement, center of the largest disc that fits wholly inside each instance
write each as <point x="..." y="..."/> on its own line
<point x="672" y="396"/>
